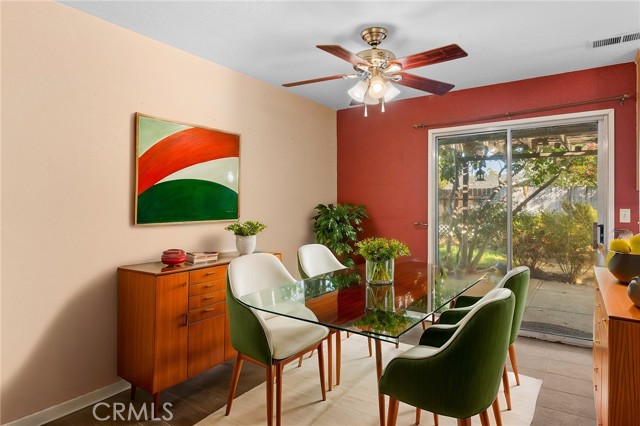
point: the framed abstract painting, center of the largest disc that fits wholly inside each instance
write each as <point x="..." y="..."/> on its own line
<point x="185" y="173"/>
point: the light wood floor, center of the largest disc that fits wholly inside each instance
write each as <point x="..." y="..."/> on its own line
<point x="566" y="397"/>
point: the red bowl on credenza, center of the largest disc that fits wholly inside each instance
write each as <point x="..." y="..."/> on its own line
<point x="173" y="257"/>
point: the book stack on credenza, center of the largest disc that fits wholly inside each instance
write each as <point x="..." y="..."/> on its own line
<point x="195" y="257"/>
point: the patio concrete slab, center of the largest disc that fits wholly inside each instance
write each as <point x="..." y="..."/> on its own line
<point x="558" y="308"/>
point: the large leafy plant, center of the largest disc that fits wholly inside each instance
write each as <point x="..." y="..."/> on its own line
<point x="247" y="228"/>
<point x="337" y="227"/>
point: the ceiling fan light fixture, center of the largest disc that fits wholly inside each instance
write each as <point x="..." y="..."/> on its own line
<point x="391" y="92"/>
<point x="358" y="91"/>
<point x="377" y="87"/>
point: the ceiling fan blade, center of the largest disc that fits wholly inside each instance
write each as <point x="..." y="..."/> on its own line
<point x="434" y="56"/>
<point x="343" y="54"/>
<point x="424" y="84"/>
<point x="317" y="80"/>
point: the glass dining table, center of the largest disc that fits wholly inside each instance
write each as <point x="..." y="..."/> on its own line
<point x="343" y="301"/>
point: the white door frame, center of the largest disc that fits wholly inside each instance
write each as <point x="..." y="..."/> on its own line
<point x="606" y="182"/>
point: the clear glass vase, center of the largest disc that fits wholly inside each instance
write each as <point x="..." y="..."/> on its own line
<point x="380" y="272"/>
<point x="380" y="297"/>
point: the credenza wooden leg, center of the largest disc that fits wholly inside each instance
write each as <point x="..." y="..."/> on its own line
<point x="156" y="403"/>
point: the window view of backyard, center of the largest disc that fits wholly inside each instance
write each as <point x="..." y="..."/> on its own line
<point x="538" y="211"/>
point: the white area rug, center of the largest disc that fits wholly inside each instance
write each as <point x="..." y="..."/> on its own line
<point x="354" y="401"/>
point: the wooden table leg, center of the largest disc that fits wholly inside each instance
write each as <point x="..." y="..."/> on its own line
<point x="330" y="360"/>
<point x="338" y="356"/>
<point x="378" y="375"/>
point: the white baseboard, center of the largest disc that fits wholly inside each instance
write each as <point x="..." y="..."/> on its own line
<point x="68" y="407"/>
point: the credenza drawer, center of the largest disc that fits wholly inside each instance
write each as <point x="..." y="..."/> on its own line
<point x="207" y="312"/>
<point x="206" y="287"/>
<point x="206" y="299"/>
<point x="207" y="274"/>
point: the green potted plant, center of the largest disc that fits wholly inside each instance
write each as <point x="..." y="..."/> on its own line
<point x="245" y="233"/>
<point x="337" y="226"/>
<point x="379" y="254"/>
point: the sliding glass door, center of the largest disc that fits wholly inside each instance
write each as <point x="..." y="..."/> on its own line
<point x="525" y="194"/>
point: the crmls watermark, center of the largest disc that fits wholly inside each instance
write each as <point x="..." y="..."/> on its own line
<point x="103" y="411"/>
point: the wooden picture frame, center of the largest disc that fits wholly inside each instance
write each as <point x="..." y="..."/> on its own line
<point x="185" y="173"/>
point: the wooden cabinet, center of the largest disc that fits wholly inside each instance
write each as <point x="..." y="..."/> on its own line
<point x="172" y="323"/>
<point x="616" y="353"/>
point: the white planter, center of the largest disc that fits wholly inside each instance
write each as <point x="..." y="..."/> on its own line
<point x="245" y="244"/>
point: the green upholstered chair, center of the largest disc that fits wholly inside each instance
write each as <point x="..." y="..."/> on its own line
<point x="437" y="335"/>
<point x="269" y="340"/>
<point x="460" y="378"/>
<point x="516" y="280"/>
<point x="317" y="259"/>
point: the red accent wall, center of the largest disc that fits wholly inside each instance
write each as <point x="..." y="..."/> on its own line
<point x="382" y="159"/>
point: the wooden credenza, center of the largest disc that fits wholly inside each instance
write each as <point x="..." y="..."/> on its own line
<point x="172" y="323"/>
<point x="616" y="353"/>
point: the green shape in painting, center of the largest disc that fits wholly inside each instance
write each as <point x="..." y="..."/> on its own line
<point x="186" y="200"/>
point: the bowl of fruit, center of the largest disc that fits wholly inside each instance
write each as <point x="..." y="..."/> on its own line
<point x="623" y="259"/>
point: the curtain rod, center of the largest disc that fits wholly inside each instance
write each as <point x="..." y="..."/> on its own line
<point x="508" y="115"/>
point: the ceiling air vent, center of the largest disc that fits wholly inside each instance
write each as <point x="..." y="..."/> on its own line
<point x="622" y="38"/>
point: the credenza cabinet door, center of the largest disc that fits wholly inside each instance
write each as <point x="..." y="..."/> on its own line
<point x="171" y="337"/>
<point x="206" y="344"/>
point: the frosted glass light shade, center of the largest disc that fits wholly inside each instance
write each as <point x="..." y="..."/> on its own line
<point x="358" y="91"/>
<point x="392" y="92"/>
<point x="377" y="87"/>
<point x="369" y="100"/>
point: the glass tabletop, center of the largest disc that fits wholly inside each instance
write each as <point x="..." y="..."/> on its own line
<point x="344" y="301"/>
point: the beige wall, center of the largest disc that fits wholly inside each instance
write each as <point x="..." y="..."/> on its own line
<point x="70" y="87"/>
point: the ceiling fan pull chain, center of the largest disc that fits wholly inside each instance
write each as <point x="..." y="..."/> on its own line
<point x="365" y="110"/>
<point x="382" y="104"/>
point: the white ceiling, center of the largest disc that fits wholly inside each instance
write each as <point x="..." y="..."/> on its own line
<point x="274" y="41"/>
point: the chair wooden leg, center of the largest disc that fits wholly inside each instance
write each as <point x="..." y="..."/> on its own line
<point x="435" y="419"/>
<point x="424" y="325"/>
<point x="338" y="356"/>
<point x="300" y="359"/>
<point x="348" y="334"/>
<point x="279" y="366"/>
<point x="464" y="422"/>
<point x="237" y="366"/>
<point x="418" y="413"/>
<point x="321" y="371"/>
<point x="484" y="418"/>
<point x="496" y="412"/>
<point x="330" y="361"/>
<point x="514" y="363"/>
<point x="269" y="385"/>
<point x="369" y="343"/>
<point x="393" y="411"/>
<point x="505" y="385"/>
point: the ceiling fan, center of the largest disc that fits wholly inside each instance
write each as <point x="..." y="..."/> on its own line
<point x="376" y="69"/>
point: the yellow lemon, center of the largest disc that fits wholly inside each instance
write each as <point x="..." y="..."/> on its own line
<point x="621" y="246"/>
<point x="634" y="242"/>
